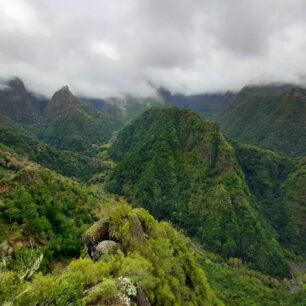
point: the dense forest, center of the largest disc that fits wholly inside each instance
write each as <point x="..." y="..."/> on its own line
<point x="271" y="116"/>
<point x="133" y="205"/>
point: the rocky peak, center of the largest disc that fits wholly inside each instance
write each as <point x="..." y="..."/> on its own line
<point x="63" y="93"/>
<point x="62" y="101"/>
<point x="16" y="84"/>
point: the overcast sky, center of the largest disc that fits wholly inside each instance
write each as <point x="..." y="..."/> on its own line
<point x="113" y="47"/>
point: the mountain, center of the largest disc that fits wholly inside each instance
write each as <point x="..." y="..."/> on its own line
<point x="206" y="104"/>
<point x="42" y="218"/>
<point x="181" y="168"/>
<point x="20" y="107"/>
<point x="278" y="184"/>
<point x="271" y="116"/>
<point x="108" y="105"/>
<point x="72" y="126"/>
<point x="127" y="107"/>
<point x="64" y="243"/>
<point x="66" y="121"/>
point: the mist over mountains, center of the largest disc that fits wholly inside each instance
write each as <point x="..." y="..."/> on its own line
<point x="69" y="161"/>
<point x="152" y="153"/>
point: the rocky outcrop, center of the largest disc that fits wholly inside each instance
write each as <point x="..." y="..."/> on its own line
<point x="95" y="234"/>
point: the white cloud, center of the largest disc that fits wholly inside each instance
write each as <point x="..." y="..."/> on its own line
<point x="106" y="49"/>
<point x="111" y="47"/>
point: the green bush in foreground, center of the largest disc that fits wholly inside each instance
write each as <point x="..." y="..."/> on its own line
<point x="153" y="259"/>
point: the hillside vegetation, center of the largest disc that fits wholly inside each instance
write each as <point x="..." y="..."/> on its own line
<point x="54" y="254"/>
<point x="181" y="168"/>
<point x="271" y="116"/>
<point x="78" y="203"/>
<point x="43" y="217"/>
<point x="278" y="185"/>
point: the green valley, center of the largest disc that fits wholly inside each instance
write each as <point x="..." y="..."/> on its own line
<point x="79" y="196"/>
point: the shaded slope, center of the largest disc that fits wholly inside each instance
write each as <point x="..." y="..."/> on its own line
<point x="207" y="104"/>
<point x="42" y="218"/>
<point x="75" y="127"/>
<point x="43" y="215"/>
<point x="278" y="185"/>
<point x="41" y="208"/>
<point x="269" y="116"/>
<point x="67" y="163"/>
<point x="20" y="106"/>
<point x="181" y="168"/>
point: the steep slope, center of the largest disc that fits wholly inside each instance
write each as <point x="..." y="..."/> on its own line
<point x="278" y="184"/>
<point x="20" y="106"/>
<point x="75" y="127"/>
<point x="42" y="218"/>
<point x="67" y="163"/>
<point x="207" y="104"/>
<point x="269" y="116"/>
<point x="129" y="257"/>
<point x="41" y="208"/>
<point x="151" y="265"/>
<point x="181" y="168"/>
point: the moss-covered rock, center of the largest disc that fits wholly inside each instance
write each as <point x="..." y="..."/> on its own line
<point x="96" y="233"/>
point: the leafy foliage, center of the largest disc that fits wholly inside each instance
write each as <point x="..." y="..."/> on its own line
<point x="278" y="185"/>
<point x="181" y="168"/>
<point x="64" y="162"/>
<point x="269" y="116"/>
<point x="237" y="285"/>
<point x="43" y="209"/>
<point x="159" y="267"/>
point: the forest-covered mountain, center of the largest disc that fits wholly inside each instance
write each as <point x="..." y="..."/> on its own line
<point x="42" y="219"/>
<point x="271" y="116"/>
<point x="65" y="121"/>
<point x="181" y="168"/>
<point x="68" y="235"/>
<point x="65" y="133"/>
<point x="65" y="243"/>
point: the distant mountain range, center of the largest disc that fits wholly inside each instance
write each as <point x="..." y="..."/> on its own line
<point x="206" y="104"/>
<point x="271" y="116"/>
<point x="70" y="162"/>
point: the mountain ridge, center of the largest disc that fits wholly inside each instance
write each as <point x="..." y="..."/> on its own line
<point x="272" y="117"/>
<point x="181" y="168"/>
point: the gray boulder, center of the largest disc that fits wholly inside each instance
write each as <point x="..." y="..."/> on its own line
<point x="106" y="247"/>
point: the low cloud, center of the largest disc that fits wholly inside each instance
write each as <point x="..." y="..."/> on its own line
<point x="112" y="47"/>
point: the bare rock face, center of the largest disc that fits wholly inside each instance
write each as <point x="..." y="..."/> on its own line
<point x="105" y="247"/>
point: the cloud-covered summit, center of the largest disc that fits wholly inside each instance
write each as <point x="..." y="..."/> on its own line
<point x="112" y="47"/>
